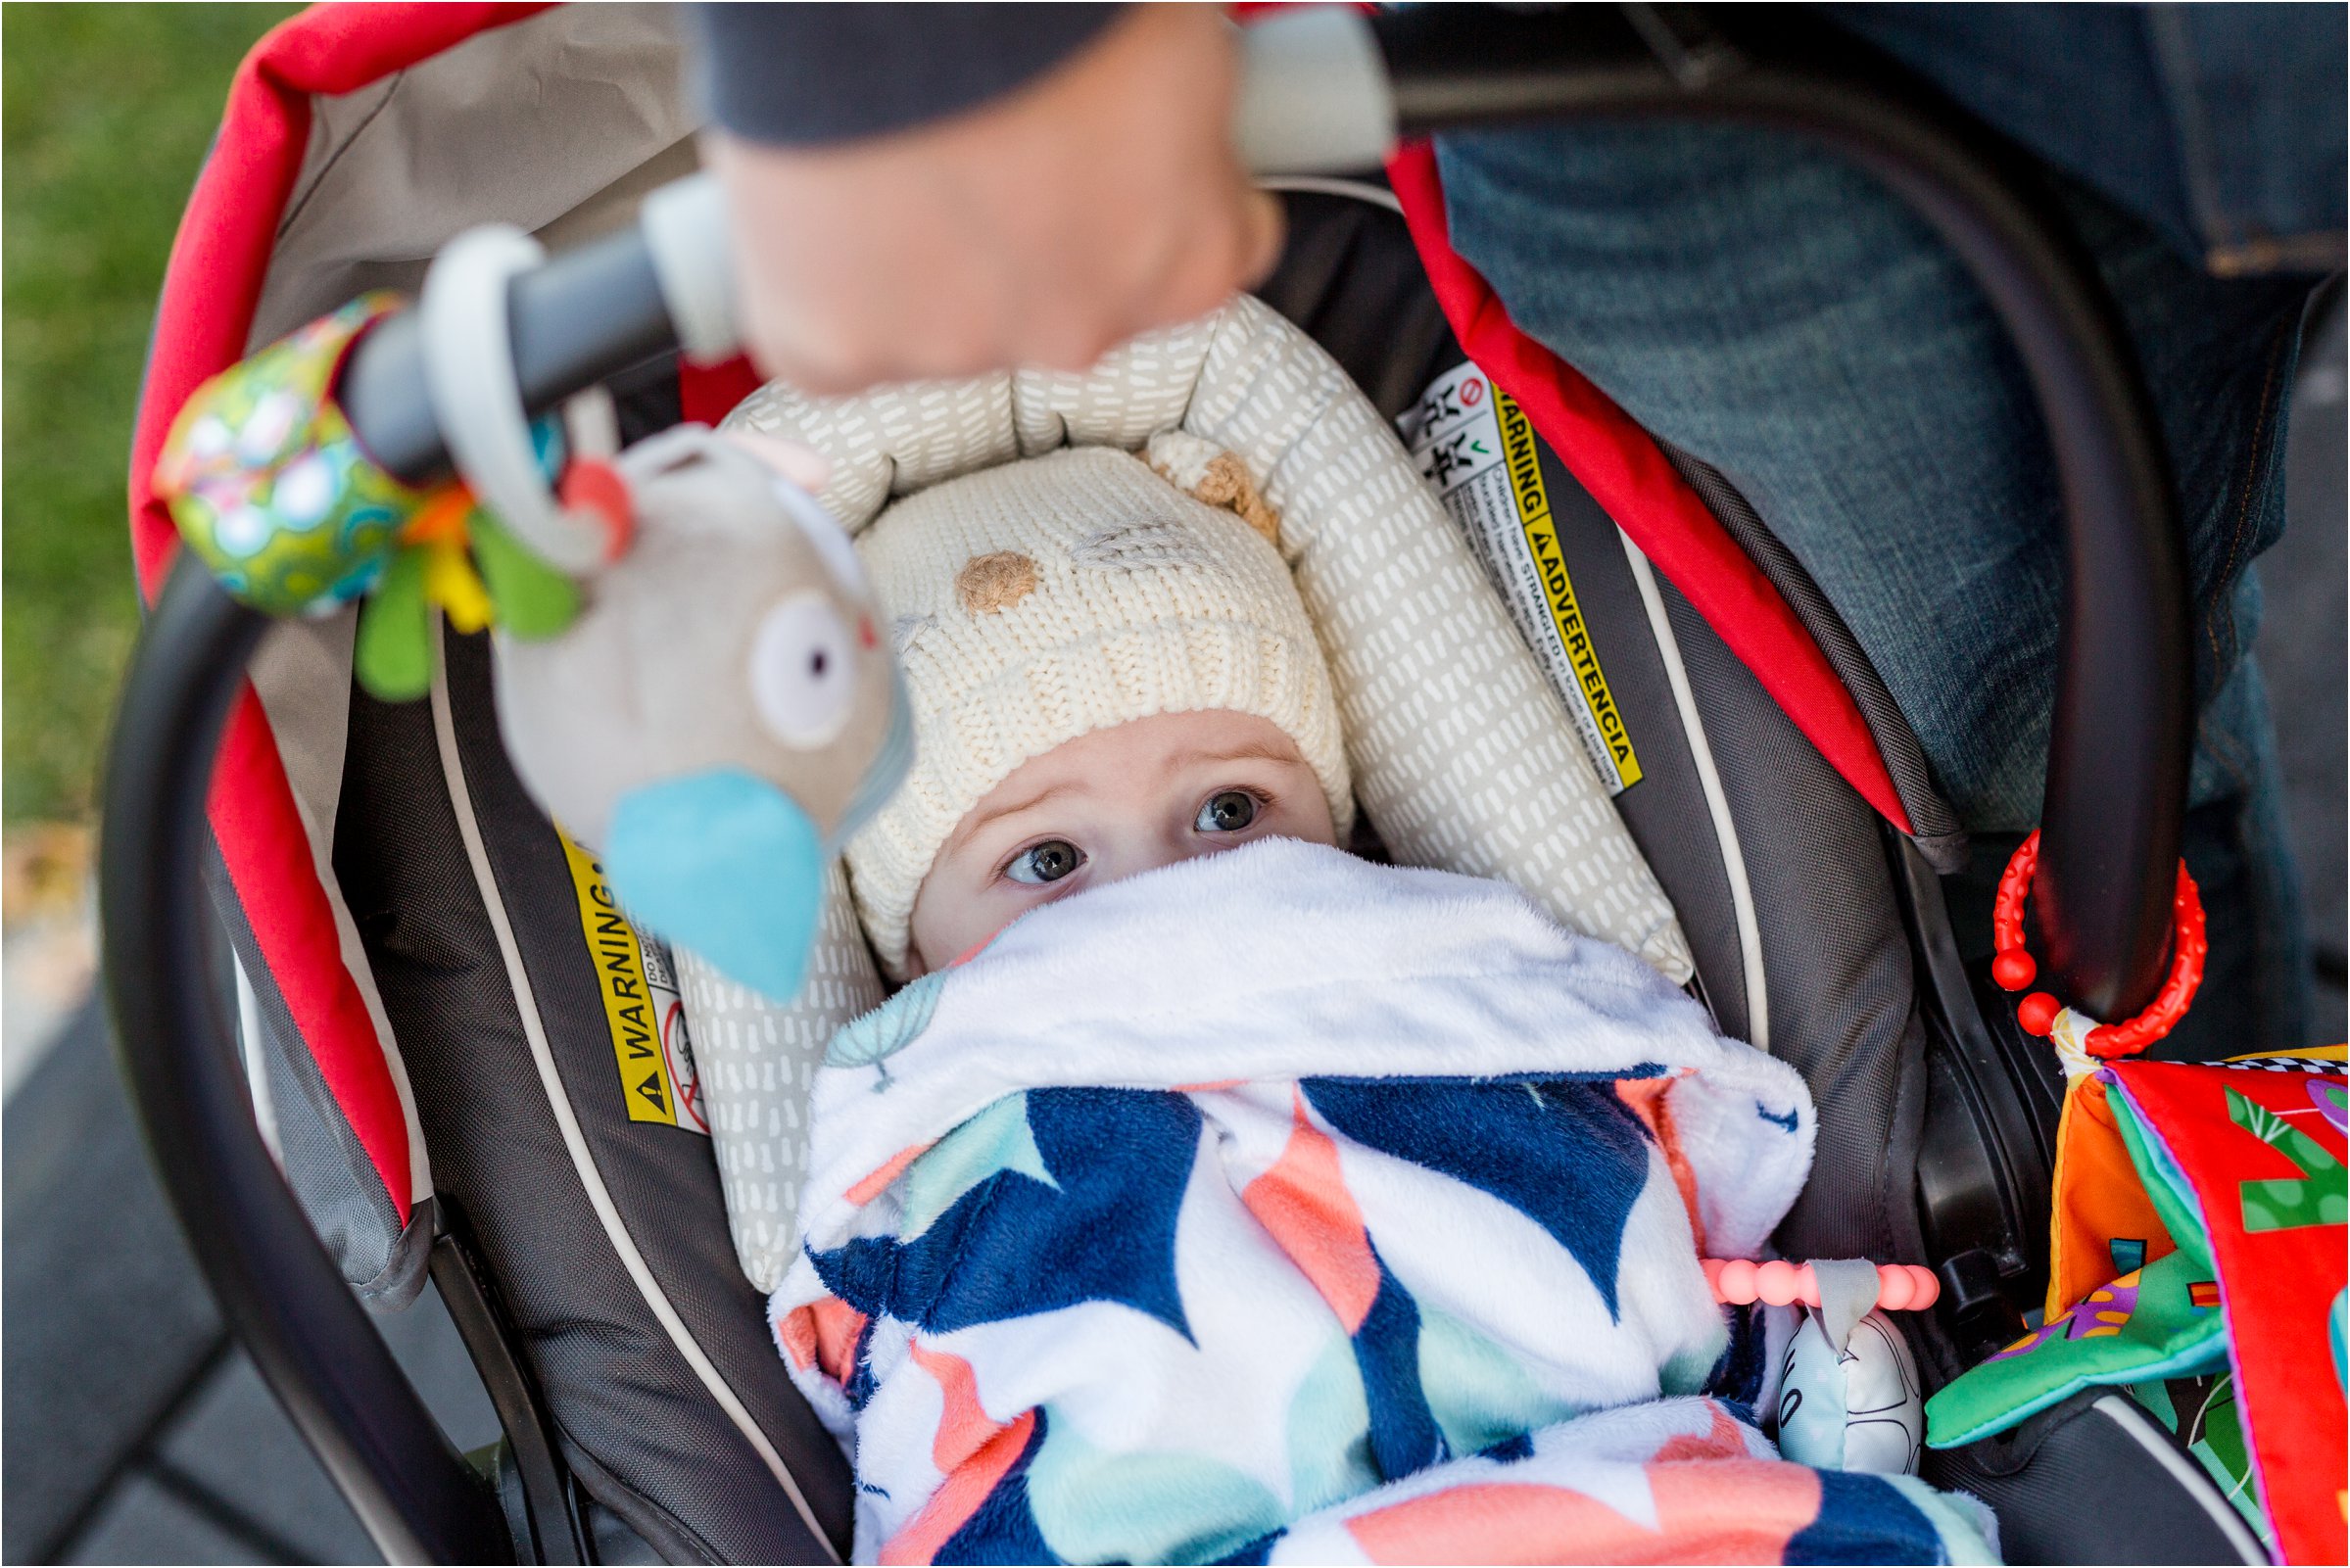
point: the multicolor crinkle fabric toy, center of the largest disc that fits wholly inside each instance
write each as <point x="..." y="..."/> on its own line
<point x="2198" y="1258"/>
<point x="272" y="490"/>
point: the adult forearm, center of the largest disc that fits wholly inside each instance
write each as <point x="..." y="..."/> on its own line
<point x="806" y="75"/>
<point x="1040" y="226"/>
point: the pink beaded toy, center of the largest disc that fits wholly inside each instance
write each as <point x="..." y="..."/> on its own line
<point x="1901" y="1287"/>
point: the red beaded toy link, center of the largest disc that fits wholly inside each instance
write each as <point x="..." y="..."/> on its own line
<point x="1738" y="1282"/>
<point x="2013" y="968"/>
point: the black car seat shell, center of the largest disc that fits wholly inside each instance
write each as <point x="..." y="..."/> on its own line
<point x="598" y="1246"/>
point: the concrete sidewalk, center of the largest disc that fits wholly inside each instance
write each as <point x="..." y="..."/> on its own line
<point x="137" y="1431"/>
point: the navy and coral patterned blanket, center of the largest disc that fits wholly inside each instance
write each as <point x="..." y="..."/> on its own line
<point x="1282" y="1207"/>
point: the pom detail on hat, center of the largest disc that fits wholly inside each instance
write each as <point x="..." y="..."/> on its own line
<point x="996" y="582"/>
<point x="1208" y="473"/>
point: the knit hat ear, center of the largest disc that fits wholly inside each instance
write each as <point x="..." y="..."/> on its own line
<point x="1208" y="473"/>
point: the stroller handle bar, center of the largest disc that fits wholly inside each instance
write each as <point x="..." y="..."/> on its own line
<point x="1328" y="89"/>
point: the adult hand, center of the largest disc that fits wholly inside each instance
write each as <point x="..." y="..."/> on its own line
<point x="1100" y="200"/>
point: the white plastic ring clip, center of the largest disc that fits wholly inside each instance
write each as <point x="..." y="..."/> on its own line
<point x="469" y="374"/>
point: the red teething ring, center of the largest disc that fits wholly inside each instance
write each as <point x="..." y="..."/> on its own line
<point x="2013" y="968"/>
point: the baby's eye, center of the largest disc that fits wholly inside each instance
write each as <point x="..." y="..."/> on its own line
<point x="1047" y="862"/>
<point x="1227" y="811"/>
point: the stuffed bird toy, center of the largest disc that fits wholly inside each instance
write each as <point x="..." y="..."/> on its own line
<point x="710" y="707"/>
<point x="721" y="714"/>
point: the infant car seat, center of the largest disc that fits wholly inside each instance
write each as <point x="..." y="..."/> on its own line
<point x="429" y="1051"/>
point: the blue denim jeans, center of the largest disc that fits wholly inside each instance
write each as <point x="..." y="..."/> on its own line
<point x="1770" y="308"/>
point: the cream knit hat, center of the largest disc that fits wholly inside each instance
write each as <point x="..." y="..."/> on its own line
<point x="1042" y="600"/>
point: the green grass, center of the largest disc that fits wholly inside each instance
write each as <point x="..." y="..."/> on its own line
<point x="107" y="111"/>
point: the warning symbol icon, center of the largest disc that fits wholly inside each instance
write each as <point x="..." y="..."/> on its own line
<point x="650" y="1089"/>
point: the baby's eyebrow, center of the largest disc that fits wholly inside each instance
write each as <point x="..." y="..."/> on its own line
<point x="971" y="829"/>
<point x="1245" y="752"/>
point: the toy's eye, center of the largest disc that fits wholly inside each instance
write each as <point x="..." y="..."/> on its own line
<point x="803" y="668"/>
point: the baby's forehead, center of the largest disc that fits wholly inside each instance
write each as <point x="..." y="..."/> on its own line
<point x="1124" y="764"/>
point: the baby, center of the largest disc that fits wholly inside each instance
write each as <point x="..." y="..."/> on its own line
<point x="1261" y="1203"/>
<point x="1108" y="676"/>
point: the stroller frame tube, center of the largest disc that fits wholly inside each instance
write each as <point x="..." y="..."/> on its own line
<point x="2118" y="754"/>
<point x="292" y="1309"/>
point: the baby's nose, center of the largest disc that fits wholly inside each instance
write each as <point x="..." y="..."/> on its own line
<point x="1151" y="853"/>
<point x="1198" y="846"/>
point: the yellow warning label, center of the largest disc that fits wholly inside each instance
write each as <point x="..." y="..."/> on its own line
<point x="1479" y="453"/>
<point x="1525" y="462"/>
<point x="641" y="1004"/>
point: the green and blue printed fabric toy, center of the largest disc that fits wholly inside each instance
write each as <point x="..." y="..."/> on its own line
<point x="270" y="488"/>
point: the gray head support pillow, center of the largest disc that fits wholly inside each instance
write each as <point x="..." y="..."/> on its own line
<point x="1462" y="754"/>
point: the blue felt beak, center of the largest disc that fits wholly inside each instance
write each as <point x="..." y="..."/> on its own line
<point x="725" y="863"/>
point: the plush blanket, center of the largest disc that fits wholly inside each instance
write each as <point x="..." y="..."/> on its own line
<point x="1281" y="1204"/>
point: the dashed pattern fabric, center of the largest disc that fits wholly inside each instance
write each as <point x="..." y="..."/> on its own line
<point x="757" y="1063"/>
<point x="1463" y="755"/>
